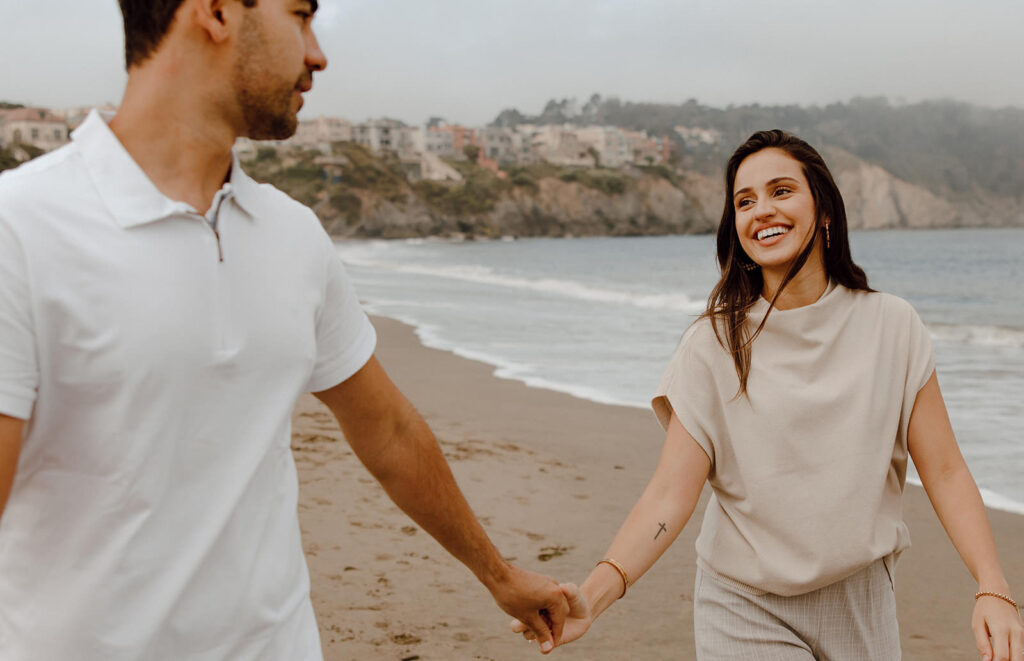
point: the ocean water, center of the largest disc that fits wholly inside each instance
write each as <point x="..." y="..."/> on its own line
<point x="600" y="317"/>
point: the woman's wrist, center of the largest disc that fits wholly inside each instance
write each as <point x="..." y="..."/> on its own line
<point x="1001" y="596"/>
<point x="995" y="583"/>
<point x="602" y="588"/>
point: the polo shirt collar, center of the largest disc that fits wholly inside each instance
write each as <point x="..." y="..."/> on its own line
<point x="126" y="190"/>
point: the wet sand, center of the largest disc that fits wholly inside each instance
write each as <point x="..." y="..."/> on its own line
<point x="551" y="477"/>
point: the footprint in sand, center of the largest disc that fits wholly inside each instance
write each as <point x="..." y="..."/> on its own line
<point x="549" y="552"/>
<point x="405" y="639"/>
<point x="315" y="438"/>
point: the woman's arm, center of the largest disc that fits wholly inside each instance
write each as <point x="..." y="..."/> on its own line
<point x="958" y="504"/>
<point x="654" y="523"/>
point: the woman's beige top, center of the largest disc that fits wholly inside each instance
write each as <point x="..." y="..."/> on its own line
<point x="808" y="469"/>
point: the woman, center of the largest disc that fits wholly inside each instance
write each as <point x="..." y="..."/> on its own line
<point x="798" y="396"/>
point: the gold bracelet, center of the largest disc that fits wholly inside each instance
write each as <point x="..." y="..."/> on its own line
<point x="622" y="572"/>
<point x="997" y="596"/>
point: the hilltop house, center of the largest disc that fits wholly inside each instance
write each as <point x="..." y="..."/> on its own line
<point x="37" y="127"/>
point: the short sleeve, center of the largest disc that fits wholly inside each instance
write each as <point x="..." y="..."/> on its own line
<point x="19" y="369"/>
<point x="921" y="354"/>
<point x="688" y="390"/>
<point x="345" y="339"/>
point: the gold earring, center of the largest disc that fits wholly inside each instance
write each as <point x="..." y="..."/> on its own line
<point x="828" y="239"/>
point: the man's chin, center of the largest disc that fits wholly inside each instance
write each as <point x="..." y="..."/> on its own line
<point x="273" y="128"/>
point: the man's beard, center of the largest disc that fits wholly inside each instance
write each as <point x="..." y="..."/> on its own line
<point x="268" y="116"/>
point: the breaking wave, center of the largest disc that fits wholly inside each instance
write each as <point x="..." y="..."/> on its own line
<point x="985" y="336"/>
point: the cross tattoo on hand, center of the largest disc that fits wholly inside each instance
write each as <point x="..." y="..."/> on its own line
<point x="661" y="529"/>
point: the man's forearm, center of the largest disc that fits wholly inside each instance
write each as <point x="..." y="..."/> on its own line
<point x="412" y="469"/>
<point x="395" y="444"/>
<point x="397" y="447"/>
<point x="10" y="448"/>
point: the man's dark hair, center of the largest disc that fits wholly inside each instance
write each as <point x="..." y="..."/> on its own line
<point x="146" y="23"/>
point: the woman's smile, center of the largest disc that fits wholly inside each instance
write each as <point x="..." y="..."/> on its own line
<point x="771" y="235"/>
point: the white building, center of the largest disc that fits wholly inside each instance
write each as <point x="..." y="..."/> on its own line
<point x="37" y="127"/>
<point x="499" y="144"/>
<point x="439" y="143"/>
<point x="559" y="145"/>
<point x="379" y="135"/>
<point x="612" y="146"/>
<point x="319" y="133"/>
<point x="697" y="136"/>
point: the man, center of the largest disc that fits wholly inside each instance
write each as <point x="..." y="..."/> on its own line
<point x="159" y="314"/>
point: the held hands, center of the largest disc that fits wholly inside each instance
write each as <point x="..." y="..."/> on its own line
<point x="994" y="618"/>
<point x="577" y="622"/>
<point x="537" y="603"/>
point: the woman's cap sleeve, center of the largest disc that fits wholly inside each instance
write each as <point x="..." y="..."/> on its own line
<point x="921" y="359"/>
<point x="688" y="390"/>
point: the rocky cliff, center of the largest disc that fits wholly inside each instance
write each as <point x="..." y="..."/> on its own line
<point x="875" y="199"/>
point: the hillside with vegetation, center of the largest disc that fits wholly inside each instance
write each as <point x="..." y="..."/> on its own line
<point x="359" y="194"/>
<point x="921" y="165"/>
<point x="955" y="150"/>
<point x="356" y="193"/>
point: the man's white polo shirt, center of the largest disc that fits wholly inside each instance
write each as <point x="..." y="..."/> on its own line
<point x="153" y="513"/>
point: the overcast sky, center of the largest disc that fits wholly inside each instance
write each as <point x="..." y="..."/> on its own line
<point x="466" y="60"/>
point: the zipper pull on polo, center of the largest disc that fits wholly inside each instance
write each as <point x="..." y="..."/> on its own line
<point x="213" y="215"/>
<point x="220" y="251"/>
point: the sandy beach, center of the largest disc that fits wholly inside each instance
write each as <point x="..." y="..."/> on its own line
<point x="551" y="477"/>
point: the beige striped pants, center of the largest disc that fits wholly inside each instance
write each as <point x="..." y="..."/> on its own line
<point x="851" y="620"/>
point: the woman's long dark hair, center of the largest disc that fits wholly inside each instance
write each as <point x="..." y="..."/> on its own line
<point x="741" y="281"/>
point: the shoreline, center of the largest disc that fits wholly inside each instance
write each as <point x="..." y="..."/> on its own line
<point x="503" y="370"/>
<point x="551" y="477"/>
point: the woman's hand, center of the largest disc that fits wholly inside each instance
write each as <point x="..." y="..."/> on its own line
<point x="996" y="620"/>
<point x="577" y="621"/>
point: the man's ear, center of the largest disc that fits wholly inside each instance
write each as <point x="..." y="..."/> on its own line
<point x="214" y="17"/>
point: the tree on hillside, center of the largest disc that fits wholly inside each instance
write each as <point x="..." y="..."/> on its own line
<point x="7" y="159"/>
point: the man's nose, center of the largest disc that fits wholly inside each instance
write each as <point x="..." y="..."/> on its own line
<point x="315" y="58"/>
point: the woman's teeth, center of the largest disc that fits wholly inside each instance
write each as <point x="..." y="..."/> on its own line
<point x="770" y="232"/>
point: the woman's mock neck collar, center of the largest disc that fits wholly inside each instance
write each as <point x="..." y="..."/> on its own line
<point x="761" y="304"/>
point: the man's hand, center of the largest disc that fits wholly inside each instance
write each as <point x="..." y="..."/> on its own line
<point x="577" y="622"/>
<point x="536" y="602"/>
